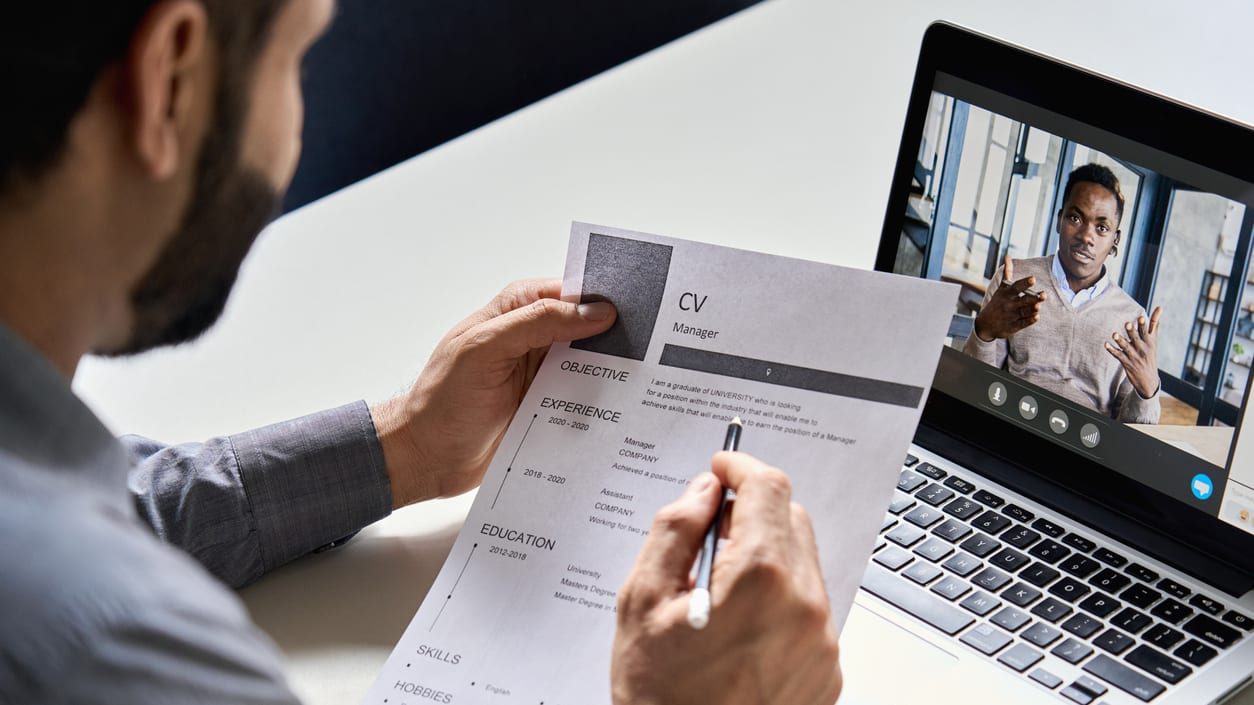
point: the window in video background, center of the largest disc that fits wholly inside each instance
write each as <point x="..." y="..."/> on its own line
<point x="1176" y="250"/>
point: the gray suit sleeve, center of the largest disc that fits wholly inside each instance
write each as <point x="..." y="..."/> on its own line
<point x="245" y="504"/>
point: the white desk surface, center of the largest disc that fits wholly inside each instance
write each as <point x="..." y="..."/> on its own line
<point x="775" y="130"/>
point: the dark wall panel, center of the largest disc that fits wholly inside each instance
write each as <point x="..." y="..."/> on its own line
<point x="396" y="77"/>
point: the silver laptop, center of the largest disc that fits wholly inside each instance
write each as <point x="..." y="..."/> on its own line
<point x="1075" y="520"/>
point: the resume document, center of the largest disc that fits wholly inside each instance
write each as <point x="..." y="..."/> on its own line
<point x="827" y="368"/>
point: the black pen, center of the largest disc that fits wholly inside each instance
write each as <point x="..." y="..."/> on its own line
<point x="699" y="605"/>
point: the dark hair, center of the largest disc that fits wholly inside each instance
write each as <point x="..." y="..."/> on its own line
<point x="51" y="53"/>
<point x="1100" y="175"/>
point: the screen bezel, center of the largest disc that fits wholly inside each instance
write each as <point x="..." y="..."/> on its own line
<point x="1154" y="121"/>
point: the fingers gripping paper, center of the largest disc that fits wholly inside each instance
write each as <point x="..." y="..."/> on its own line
<point x="827" y="367"/>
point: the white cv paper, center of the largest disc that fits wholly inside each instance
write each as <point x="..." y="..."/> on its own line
<point x="827" y="367"/>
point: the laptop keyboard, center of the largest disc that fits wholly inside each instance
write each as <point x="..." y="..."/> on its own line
<point x="1034" y="596"/>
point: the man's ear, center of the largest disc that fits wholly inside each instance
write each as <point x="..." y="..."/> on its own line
<point x="168" y="70"/>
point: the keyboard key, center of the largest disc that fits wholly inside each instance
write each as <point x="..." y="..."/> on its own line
<point x="1021" y="595"/>
<point x="991" y="579"/>
<point x="892" y="558"/>
<point x="1011" y="619"/>
<point x="1008" y="560"/>
<point x="950" y="588"/>
<point x="934" y="549"/>
<point x="963" y="564"/>
<point x="990" y="522"/>
<point x="1040" y="634"/>
<point x="1110" y="581"/>
<point x="909" y="481"/>
<point x="1083" y="625"/>
<point x="1131" y="621"/>
<point x="1020" y="657"/>
<point x="1124" y="678"/>
<point x="1171" y="587"/>
<point x="889" y="522"/>
<point x="1050" y="551"/>
<point x="1109" y="557"/>
<point x="1142" y="573"/>
<point x="988" y="499"/>
<point x="1038" y="574"/>
<point x="1079" y="543"/>
<point x="1162" y="636"/>
<point x="1069" y="589"/>
<point x="1212" y="630"/>
<point x="981" y="603"/>
<point x="981" y="545"/>
<point x="1020" y="537"/>
<point x="891" y="589"/>
<point x="1045" y="678"/>
<point x="952" y="530"/>
<point x="1077" y="695"/>
<point x="935" y="494"/>
<point x="1238" y="620"/>
<point x="1014" y="511"/>
<point x="959" y="485"/>
<point x="930" y="470"/>
<point x="924" y="517"/>
<point x="1114" y="641"/>
<point x="1141" y="596"/>
<point x="986" y="639"/>
<point x="1048" y="528"/>
<point x="922" y="572"/>
<point x="963" y="508"/>
<point x="1195" y="652"/>
<point x="1051" y="610"/>
<point x="1072" y="651"/>
<point x="901" y="502"/>
<point x="1079" y="566"/>
<point x="1157" y="664"/>
<point x="1171" y="611"/>
<point x="1206" y="604"/>
<point x="1100" y="604"/>
<point x="906" y="535"/>
<point x="910" y="460"/>
<point x="1090" y="686"/>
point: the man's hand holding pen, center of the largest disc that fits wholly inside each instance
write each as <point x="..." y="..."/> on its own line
<point x="769" y="637"/>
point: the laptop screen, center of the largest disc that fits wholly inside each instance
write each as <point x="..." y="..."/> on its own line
<point x="1107" y="296"/>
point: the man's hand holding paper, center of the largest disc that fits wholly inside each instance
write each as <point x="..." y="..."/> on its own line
<point x="439" y="437"/>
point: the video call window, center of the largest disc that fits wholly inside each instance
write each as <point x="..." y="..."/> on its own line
<point x="985" y="186"/>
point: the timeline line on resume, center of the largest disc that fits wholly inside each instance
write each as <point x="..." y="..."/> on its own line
<point x="455" y="584"/>
<point x="509" y="469"/>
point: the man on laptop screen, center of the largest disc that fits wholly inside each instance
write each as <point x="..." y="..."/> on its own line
<point x="1079" y="335"/>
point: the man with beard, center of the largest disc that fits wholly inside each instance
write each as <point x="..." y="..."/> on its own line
<point x="143" y="145"/>
<point x="1080" y="336"/>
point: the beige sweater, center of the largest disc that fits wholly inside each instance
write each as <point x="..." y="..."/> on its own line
<point x="1064" y="353"/>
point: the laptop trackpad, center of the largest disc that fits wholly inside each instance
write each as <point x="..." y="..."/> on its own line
<point x="885" y="664"/>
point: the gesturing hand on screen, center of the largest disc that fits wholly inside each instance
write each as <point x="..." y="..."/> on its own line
<point x="1137" y="351"/>
<point x="1012" y="307"/>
